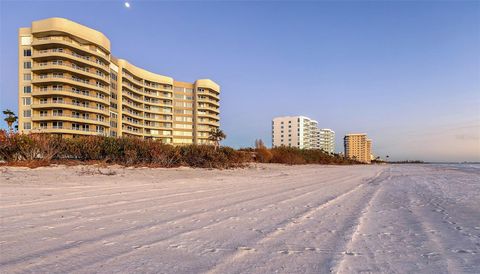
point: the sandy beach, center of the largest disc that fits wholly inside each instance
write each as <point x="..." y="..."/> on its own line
<point x="261" y="219"/>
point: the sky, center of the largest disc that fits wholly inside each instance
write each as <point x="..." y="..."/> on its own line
<point x="407" y="73"/>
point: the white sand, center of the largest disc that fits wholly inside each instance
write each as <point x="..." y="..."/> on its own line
<point x="273" y="218"/>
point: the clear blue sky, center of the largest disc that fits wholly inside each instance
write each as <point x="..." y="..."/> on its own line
<point x="407" y="73"/>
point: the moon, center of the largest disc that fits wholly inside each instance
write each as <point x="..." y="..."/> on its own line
<point x="127" y="5"/>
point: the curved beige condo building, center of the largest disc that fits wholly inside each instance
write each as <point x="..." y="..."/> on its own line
<point x="70" y="84"/>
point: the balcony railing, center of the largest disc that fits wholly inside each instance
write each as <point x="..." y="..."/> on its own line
<point x="47" y="76"/>
<point x="105" y="99"/>
<point x="60" y="102"/>
<point x="70" y="116"/>
<point x="87" y="58"/>
<point x="73" y="42"/>
<point x="99" y="132"/>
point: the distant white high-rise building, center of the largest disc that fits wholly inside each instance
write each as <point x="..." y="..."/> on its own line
<point x="295" y="131"/>
<point x="327" y="140"/>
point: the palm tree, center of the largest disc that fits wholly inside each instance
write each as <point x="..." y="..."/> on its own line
<point x="216" y="135"/>
<point x="10" y="119"/>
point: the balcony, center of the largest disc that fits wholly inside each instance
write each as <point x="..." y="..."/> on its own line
<point x="65" y="130"/>
<point x="209" y="93"/>
<point x="208" y="100"/>
<point x="207" y="107"/>
<point x="69" y="80"/>
<point x="70" y="43"/>
<point x="73" y="56"/>
<point x="210" y="115"/>
<point x="71" y="68"/>
<point x="69" y="93"/>
<point x="71" y="118"/>
<point x="209" y="122"/>
<point x="69" y="105"/>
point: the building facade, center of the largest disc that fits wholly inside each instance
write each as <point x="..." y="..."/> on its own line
<point x="358" y="147"/>
<point x="295" y="131"/>
<point x="70" y="84"/>
<point x="327" y="140"/>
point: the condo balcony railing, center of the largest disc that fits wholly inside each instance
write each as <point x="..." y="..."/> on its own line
<point x="105" y="99"/>
<point x="43" y="128"/>
<point x="60" y="50"/>
<point x="145" y="83"/>
<point x="61" y="102"/>
<point x="139" y="132"/>
<point x="132" y="95"/>
<point x="212" y="101"/>
<point x="54" y="115"/>
<point x="60" y="64"/>
<point x="132" y="122"/>
<point x="207" y="92"/>
<point x="47" y="76"/>
<point x="73" y="42"/>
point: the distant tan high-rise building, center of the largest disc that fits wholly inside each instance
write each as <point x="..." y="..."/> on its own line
<point x="70" y="84"/>
<point x="358" y="147"/>
<point x="295" y="131"/>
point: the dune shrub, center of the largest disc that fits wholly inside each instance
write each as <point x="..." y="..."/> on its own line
<point x="83" y="148"/>
<point x="130" y="151"/>
<point x="263" y="155"/>
<point x="163" y="155"/>
<point x="126" y="151"/>
<point x="296" y="156"/>
<point x="9" y="150"/>
<point x="287" y="155"/>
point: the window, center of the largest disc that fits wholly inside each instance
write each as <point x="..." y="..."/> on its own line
<point x="57" y="100"/>
<point x="101" y="85"/>
<point x="27" y="77"/>
<point x="27" y="125"/>
<point x="43" y="113"/>
<point x="75" y="126"/>
<point x="43" y="125"/>
<point x="27" y="113"/>
<point x="27" y="89"/>
<point x="27" y="101"/>
<point x="57" y="124"/>
<point x="27" y="52"/>
<point x="27" y="65"/>
<point x="57" y="112"/>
